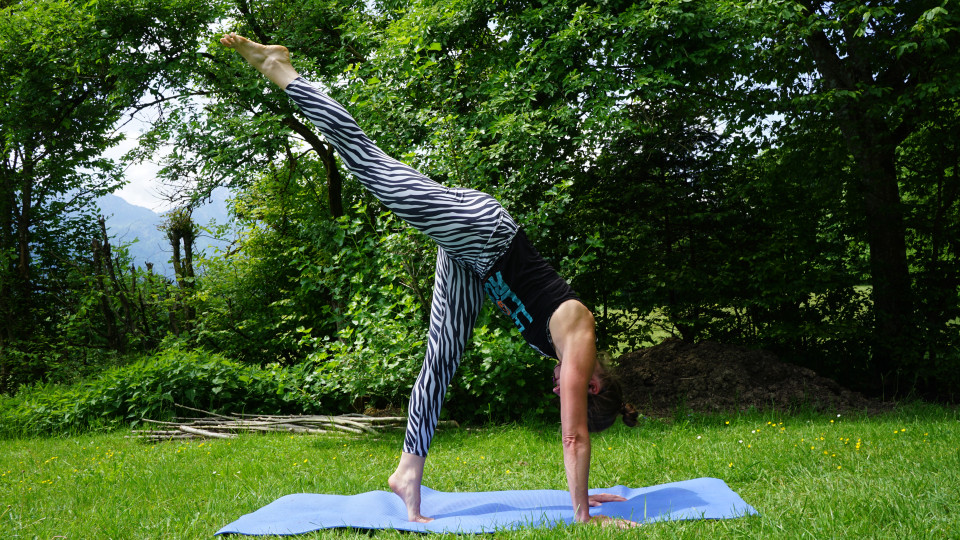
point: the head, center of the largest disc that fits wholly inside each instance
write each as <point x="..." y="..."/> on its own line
<point x="607" y="404"/>
<point x="604" y="398"/>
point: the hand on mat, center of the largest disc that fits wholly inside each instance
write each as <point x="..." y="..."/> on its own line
<point x="600" y="498"/>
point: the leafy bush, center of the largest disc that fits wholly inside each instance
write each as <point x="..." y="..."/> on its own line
<point x="501" y="378"/>
<point x="150" y="387"/>
<point x="373" y="361"/>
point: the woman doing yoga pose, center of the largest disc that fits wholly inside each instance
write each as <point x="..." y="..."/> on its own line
<point x="480" y="250"/>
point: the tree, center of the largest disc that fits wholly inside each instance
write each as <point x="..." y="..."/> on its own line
<point x="877" y="72"/>
<point x="182" y="232"/>
<point x="243" y="124"/>
<point x="69" y="72"/>
<point x="740" y="167"/>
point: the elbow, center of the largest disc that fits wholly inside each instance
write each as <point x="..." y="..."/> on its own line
<point x="575" y="441"/>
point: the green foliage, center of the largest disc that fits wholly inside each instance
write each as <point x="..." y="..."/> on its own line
<point x="375" y="362"/>
<point x="674" y="157"/>
<point x="773" y="173"/>
<point x="69" y="72"/>
<point x="501" y="378"/>
<point x="149" y="388"/>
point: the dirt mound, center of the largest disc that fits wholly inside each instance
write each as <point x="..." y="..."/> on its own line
<point x="708" y="377"/>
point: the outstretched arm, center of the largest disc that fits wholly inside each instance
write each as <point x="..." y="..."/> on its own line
<point x="572" y="329"/>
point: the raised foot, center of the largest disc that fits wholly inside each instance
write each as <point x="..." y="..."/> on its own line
<point x="271" y="60"/>
<point x="409" y="492"/>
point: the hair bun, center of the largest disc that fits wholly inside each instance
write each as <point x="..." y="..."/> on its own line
<point x="630" y="414"/>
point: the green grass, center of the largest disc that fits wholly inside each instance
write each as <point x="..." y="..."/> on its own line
<point x="809" y="476"/>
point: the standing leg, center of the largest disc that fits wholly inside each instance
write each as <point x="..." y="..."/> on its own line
<point x="457" y="298"/>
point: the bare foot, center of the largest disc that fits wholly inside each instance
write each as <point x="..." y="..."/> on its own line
<point x="405" y="482"/>
<point x="271" y="60"/>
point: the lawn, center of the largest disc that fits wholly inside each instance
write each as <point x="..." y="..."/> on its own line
<point x="810" y="476"/>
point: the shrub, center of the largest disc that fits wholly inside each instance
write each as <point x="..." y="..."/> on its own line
<point x="501" y="378"/>
<point x="375" y="361"/>
<point x="150" y="387"/>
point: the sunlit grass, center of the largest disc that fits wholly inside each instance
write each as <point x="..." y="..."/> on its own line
<point x="809" y="476"/>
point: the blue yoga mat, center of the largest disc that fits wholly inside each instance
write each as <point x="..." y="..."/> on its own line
<point x="487" y="511"/>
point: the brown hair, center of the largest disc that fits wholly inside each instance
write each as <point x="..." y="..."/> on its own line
<point x="604" y="407"/>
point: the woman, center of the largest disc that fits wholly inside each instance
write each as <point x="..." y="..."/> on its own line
<point x="481" y="249"/>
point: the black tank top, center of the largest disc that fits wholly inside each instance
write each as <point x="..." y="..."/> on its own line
<point x="528" y="290"/>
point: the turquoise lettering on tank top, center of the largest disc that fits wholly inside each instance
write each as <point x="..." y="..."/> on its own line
<point x="505" y="299"/>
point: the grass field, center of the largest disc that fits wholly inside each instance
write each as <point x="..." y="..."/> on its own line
<point x="809" y="476"/>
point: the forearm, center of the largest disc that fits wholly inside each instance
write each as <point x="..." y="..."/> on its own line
<point x="576" y="461"/>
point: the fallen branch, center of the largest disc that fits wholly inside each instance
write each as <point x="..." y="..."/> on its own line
<point x="205" y="433"/>
<point x="218" y="426"/>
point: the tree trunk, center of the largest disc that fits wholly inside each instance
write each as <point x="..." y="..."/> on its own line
<point x="334" y="180"/>
<point x="872" y="143"/>
<point x="111" y="328"/>
<point x="890" y="277"/>
<point x="21" y="279"/>
<point x="6" y="272"/>
<point x="180" y="228"/>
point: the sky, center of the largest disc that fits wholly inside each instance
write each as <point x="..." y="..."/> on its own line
<point x="142" y="187"/>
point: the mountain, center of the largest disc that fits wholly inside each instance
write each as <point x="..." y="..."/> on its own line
<point x="139" y="227"/>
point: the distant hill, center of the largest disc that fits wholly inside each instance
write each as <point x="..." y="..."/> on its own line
<point x="138" y="226"/>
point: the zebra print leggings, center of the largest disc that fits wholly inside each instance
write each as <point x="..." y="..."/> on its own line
<point x="471" y="229"/>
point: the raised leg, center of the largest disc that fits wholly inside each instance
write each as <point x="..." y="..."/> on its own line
<point x="471" y="226"/>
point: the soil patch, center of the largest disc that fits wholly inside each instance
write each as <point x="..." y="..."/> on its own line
<point x="709" y="377"/>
